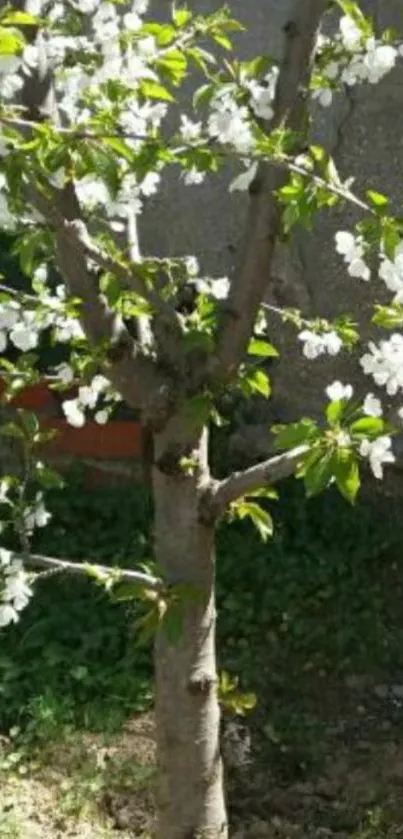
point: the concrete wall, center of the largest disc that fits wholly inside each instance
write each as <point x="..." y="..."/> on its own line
<point x="364" y="132"/>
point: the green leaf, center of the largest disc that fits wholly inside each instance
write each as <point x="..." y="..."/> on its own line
<point x="368" y="427"/>
<point x="154" y="90"/>
<point x="10" y="429"/>
<point x="262" y="349"/>
<point x="261" y="518"/>
<point x="389" y="317"/>
<point x="163" y="33"/>
<point x="181" y="17"/>
<point x="289" y="436"/>
<point x="347" y="474"/>
<point x="111" y="288"/>
<point x="319" y="473"/>
<point x="334" y="411"/>
<point x="10" y="42"/>
<point x="378" y="201"/>
<point x="264" y="492"/>
<point x="19" y="19"/>
<point x="222" y="39"/>
<point x="132" y="591"/>
<point x="120" y="147"/>
<point x="29" y="422"/>
<point x="197" y="410"/>
<point x="259" y="382"/>
<point x="48" y="477"/>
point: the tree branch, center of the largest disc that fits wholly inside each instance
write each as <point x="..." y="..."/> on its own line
<point x="134" y="374"/>
<point x="263" y="226"/>
<point x="50" y="563"/>
<point x="269" y="472"/>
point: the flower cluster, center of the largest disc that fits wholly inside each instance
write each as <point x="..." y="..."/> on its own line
<point x="385" y="363"/>
<point x="229" y="123"/>
<point x="22" y="326"/>
<point x="352" y="248"/>
<point x="337" y="391"/>
<point x="217" y="287"/>
<point x="15" y="592"/>
<point x="262" y="94"/>
<point x="356" y="59"/>
<point x="36" y="514"/>
<point x="378" y="452"/>
<point x="88" y="397"/>
<point x="315" y="344"/>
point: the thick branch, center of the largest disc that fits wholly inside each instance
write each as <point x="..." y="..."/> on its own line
<point x="269" y="472"/>
<point x="252" y="273"/>
<point x="49" y="563"/>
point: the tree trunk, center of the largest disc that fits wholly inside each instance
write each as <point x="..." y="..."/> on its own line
<point x="190" y="796"/>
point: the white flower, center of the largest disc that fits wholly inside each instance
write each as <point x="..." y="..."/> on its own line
<point x="5" y="557"/>
<point x="352" y="249"/>
<point x="3" y="341"/>
<point x="8" y="614"/>
<point x="9" y="315"/>
<point x="132" y="21"/>
<point x="189" y="130"/>
<point x="101" y="417"/>
<point x="332" y="70"/>
<point x="74" y="413"/>
<point x="87" y="396"/>
<point x="91" y="191"/>
<point x="220" y="288"/>
<point x="378" y="453"/>
<point x="37" y="515"/>
<point x="150" y="183"/>
<point x="192" y="266"/>
<point x="385" y="363"/>
<point x="193" y="177"/>
<point x="65" y="373"/>
<point x="9" y="64"/>
<point x="86" y="6"/>
<point x="99" y="383"/>
<point x="380" y="59"/>
<point x="229" y="124"/>
<point x="391" y="272"/>
<point x="338" y="391"/>
<point x="332" y="342"/>
<point x="24" y="336"/>
<point x="323" y="95"/>
<point x="350" y="34"/>
<point x="316" y="345"/>
<point x="243" y="181"/>
<point x="313" y="344"/>
<point x="346" y="244"/>
<point x="17" y="588"/>
<point x="372" y="406"/>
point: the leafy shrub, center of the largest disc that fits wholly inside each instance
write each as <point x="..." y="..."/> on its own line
<point x="317" y="593"/>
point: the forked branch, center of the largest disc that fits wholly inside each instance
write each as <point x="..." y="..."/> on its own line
<point x="252" y="274"/>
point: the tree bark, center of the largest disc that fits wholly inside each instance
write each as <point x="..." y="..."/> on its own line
<point x="190" y="795"/>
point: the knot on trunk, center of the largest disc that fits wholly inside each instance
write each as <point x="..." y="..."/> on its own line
<point x="202" y="684"/>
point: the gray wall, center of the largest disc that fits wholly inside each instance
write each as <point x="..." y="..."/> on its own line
<point x="364" y="132"/>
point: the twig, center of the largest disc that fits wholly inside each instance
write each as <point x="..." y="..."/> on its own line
<point x="69" y="567"/>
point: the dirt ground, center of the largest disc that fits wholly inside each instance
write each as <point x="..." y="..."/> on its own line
<point x="342" y="776"/>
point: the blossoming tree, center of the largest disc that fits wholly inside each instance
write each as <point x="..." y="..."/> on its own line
<point x="84" y="90"/>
